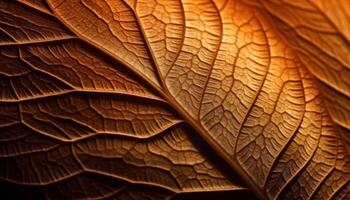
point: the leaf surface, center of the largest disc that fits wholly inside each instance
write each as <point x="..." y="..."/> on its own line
<point x="171" y="99"/>
<point x="320" y="32"/>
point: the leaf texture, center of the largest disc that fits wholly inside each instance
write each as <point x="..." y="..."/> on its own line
<point x="168" y="99"/>
<point x="320" y="32"/>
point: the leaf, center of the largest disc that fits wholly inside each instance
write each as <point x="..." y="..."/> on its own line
<point x="169" y="100"/>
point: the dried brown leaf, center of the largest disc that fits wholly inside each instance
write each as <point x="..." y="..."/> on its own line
<point x="174" y="99"/>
